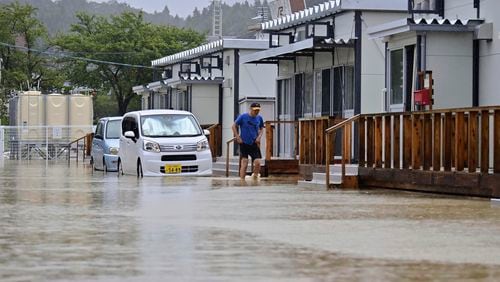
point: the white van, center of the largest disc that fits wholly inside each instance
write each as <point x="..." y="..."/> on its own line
<point x="163" y="142"/>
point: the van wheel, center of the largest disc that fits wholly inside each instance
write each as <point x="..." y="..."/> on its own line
<point x="104" y="166"/>
<point x="120" y="168"/>
<point x="92" y="163"/>
<point x="139" y="169"/>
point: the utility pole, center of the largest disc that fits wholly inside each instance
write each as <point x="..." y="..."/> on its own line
<point x="217" y="19"/>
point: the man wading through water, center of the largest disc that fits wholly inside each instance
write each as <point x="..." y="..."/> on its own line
<point x="251" y="127"/>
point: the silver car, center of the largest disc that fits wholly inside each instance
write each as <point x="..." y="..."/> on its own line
<point x="105" y="144"/>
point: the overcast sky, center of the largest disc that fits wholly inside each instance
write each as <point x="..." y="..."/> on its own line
<point x="182" y="8"/>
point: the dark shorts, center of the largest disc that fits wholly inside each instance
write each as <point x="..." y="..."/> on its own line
<point x="250" y="150"/>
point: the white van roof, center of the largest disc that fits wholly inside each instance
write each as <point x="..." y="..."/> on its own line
<point x="159" y="112"/>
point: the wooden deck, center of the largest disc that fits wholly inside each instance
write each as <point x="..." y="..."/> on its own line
<point x="454" y="151"/>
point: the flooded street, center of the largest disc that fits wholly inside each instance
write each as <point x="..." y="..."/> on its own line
<point x="71" y="224"/>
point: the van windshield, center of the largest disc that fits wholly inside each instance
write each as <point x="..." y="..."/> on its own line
<point x="113" y="129"/>
<point x="173" y="125"/>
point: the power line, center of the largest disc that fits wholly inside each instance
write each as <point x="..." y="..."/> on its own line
<point x="60" y="54"/>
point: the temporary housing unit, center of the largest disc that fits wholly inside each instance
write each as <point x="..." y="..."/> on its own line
<point x="441" y="56"/>
<point x="328" y="68"/>
<point x="210" y="82"/>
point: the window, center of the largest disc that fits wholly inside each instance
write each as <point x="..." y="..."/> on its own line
<point x="299" y="94"/>
<point x="397" y="77"/>
<point x="325" y="91"/>
<point x="99" y="130"/>
<point x="318" y="90"/>
<point x="113" y="129"/>
<point x="308" y="94"/>
<point x="343" y="89"/>
<point x="348" y="88"/>
<point x="130" y="124"/>
<point x="169" y="126"/>
<point x="284" y="97"/>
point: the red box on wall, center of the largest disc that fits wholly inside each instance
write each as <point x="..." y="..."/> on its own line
<point x="422" y="97"/>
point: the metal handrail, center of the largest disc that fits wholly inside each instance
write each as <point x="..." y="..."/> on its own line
<point x="227" y="155"/>
<point x="328" y="132"/>
<point x="77" y="141"/>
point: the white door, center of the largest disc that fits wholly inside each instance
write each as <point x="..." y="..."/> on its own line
<point x="285" y="131"/>
<point x="400" y="79"/>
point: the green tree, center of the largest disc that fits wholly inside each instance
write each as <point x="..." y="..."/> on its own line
<point x="111" y="49"/>
<point x="23" y="64"/>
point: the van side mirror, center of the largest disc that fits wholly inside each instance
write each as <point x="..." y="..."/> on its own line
<point x="129" y="134"/>
<point x="206" y="132"/>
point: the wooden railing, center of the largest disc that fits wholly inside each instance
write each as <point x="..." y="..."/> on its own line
<point x="214" y="139"/>
<point x="466" y="139"/>
<point x="87" y="146"/>
<point x="346" y="147"/>
<point x="228" y="142"/>
<point x="270" y="127"/>
<point x="313" y="139"/>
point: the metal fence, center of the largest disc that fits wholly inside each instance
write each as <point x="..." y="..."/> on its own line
<point x="44" y="142"/>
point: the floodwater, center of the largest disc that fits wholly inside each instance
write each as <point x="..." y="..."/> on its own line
<point x="60" y="223"/>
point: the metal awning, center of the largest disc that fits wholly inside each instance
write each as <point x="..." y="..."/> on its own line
<point x="298" y="49"/>
<point x="195" y="80"/>
<point x="139" y="89"/>
<point x="156" y="85"/>
<point x="423" y="24"/>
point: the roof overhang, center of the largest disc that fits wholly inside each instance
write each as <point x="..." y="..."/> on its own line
<point x="140" y="89"/>
<point x="329" y="8"/>
<point x="423" y="25"/>
<point x="302" y="48"/>
<point x="211" y="48"/>
<point x="156" y="85"/>
<point x="194" y="81"/>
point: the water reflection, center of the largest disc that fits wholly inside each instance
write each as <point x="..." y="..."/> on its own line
<point x="69" y="223"/>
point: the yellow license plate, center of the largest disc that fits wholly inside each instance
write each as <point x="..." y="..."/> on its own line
<point x="172" y="169"/>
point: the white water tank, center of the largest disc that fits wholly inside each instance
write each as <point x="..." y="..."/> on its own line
<point x="30" y="115"/>
<point x="56" y="115"/>
<point x="80" y="115"/>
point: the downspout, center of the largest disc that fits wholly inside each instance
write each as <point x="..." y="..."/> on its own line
<point x="385" y="99"/>
<point x="357" y="79"/>
<point x="419" y="61"/>
<point x="236" y="86"/>
<point x="221" y="109"/>
<point x="236" y="90"/>
<point x="357" y="63"/>
<point x="423" y="50"/>
<point x="475" y="62"/>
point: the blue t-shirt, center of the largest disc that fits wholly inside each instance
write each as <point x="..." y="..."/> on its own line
<point x="249" y="127"/>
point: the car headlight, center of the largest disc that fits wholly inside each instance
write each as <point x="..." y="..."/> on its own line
<point x="113" y="150"/>
<point x="151" y="146"/>
<point x="202" y="145"/>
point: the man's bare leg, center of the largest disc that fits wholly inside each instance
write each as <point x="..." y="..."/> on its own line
<point x="243" y="168"/>
<point x="256" y="168"/>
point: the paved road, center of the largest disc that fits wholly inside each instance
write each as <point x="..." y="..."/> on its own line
<point x="72" y="224"/>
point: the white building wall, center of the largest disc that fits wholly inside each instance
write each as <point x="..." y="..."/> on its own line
<point x="344" y="25"/>
<point x="373" y="62"/>
<point x="205" y="105"/>
<point x="449" y="57"/>
<point x="460" y="9"/>
<point x="257" y="80"/>
<point x="489" y="62"/>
